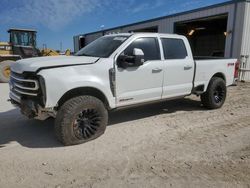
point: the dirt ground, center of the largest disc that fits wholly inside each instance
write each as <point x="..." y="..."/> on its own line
<point x="170" y="144"/>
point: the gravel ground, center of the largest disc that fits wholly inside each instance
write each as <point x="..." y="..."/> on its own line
<point x="170" y="144"/>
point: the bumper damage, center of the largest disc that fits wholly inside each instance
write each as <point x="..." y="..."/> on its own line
<point x="33" y="110"/>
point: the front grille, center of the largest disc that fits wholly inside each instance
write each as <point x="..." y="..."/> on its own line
<point x="21" y="86"/>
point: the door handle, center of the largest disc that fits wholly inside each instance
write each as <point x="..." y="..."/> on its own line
<point x="156" y="70"/>
<point x="188" y="67"/>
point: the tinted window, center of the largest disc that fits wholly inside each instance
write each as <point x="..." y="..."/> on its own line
<point x="149" y="46"/>
<point x="174" y="48"/>
<point x="102" y="47"/>
<point x="23" y="38"/>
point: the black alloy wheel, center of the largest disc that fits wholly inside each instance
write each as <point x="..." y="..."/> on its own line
<point x="86" y="124"/>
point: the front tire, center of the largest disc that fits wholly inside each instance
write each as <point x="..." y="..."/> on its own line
<point x="215" y="95"/>
<point x="80" y="120"/>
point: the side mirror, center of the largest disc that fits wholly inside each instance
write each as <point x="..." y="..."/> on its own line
<point x="136" y="60"/>
<point x="139" y="56"/>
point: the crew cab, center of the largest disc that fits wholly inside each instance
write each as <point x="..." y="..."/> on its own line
<point x="113" y="72"/>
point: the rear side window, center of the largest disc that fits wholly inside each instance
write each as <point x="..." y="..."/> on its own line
<point x="149" y="46"/>
<point x="174" y="48"/>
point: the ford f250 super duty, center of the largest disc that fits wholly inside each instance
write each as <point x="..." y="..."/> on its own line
<point x="113" y="72"/>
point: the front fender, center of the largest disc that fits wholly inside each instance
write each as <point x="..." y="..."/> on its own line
<point x="60" y="81"/>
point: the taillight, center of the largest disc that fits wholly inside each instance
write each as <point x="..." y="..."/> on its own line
<point x="236" y="69"/>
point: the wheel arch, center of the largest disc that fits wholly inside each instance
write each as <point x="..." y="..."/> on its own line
<point x="91" y="91"/>
<point x="219" y="75"/>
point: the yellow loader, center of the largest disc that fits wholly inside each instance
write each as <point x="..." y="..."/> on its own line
<point x="22" y="45"/>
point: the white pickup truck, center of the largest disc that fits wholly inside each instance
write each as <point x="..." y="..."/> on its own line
<point x="113" y="72"/>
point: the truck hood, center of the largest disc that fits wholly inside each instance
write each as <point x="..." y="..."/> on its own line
<point x="34" y="64"/>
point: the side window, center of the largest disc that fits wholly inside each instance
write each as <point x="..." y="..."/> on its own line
<point x="174" y="48"/>
<point x="149" y="46"/>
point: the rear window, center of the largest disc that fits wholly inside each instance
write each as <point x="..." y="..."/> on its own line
<point x="174" y="48"/>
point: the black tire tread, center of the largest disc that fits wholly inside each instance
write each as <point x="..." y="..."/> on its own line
<point x="66" y="110"/>
<point x="206" y="98"/>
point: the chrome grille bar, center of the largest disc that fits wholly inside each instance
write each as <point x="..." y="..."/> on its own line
<point x="26" y="80"/>
<point x="24" y="93"/>
<point x="15" y="97"/>
<point x="20" y="86"/>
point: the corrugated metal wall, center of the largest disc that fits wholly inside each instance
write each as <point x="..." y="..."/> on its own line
<point x="245" y="48"/>
<point x="166" y="25"/>
<point x="76" y="43"/>
<point x="237" y="29"/>
<point x="92" y="37"/>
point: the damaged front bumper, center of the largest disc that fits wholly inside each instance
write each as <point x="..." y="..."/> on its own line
<point x="32" y="110"/>
<point x="27" y="91"/>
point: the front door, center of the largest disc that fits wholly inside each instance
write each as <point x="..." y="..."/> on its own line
<point x="140" y="83"/>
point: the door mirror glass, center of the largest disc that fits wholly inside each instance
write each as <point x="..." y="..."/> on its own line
<point x="139" y="56"/>
<point x="135" y="60"/>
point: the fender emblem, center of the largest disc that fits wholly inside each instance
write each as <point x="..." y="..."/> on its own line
<point x="124" y="100"/>
<point x="230" y="64"/>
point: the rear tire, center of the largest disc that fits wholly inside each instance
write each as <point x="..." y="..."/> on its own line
<point x="215" y="95"/>
<point x="5" y="70"/>
<point x="80" y="120"/>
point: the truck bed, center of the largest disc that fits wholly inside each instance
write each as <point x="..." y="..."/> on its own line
<point x="205" y="68"/>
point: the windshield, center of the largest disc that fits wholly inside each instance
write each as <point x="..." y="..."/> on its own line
<point x="102" y="47"/>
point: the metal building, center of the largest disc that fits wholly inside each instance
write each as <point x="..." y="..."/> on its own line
<point x="217" y="30"/>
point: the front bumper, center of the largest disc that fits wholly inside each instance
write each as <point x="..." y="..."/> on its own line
<point x="28" y="95"/>
<point x="32" y="110"/>
<point x="27" y="107"/>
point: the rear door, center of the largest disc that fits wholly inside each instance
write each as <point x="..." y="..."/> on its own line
<point x="178" y="67"/>
<point x="143" y="83"/>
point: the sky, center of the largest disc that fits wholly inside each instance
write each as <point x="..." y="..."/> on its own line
<point x="57" y="21"/>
